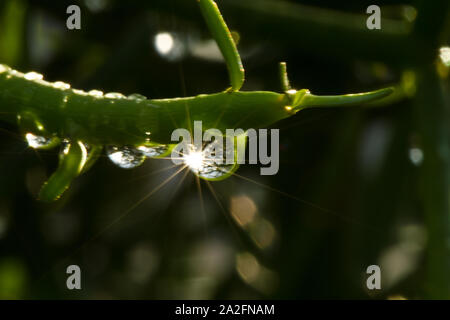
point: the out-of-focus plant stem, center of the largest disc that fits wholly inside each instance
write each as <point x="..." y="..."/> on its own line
<point x="432" y="119"/>
<point x="12" y="23"/>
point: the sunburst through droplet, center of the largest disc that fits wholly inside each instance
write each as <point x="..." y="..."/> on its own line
<point x="194" y="160"/>
<point x="209" y="163"/>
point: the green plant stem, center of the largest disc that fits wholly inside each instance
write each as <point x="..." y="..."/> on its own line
<point x="284" y="79"/>
<point x="118" y="120"/>
<point x="431" y="114"/>
<point x="309" y="100"/>
<point x="222" y="35"/>
<point x="70" y="165"/>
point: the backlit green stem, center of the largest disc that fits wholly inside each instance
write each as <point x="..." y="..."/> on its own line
<point x="222" y="35"/>
<point x="284" y="79"/>
<point x="70" y="165"/>
<point x="304" y="99"/>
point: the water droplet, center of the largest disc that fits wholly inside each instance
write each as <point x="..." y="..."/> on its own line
<point x="210" y="163"/>
<point x="4" y="68"/>
<point x="33" y="76"/>
<point x="40" y="142"/>
<point x="61" y="85"/>
<point x="95" y="93"/>
<point x="115" y="95"/>
<point x="154" y="151"/>
<point x="137" y="96"/>
<point x="125" y="157"/>
<point x="65" y="147"/>
<point x="29" y="122"/>
<point x="80" y="92"/>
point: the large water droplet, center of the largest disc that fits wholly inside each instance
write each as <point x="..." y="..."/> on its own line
<point x="33" y="76"/>
<point x="153" y="151"/>
<point x="125" y="157"/>
<point x="210" y="163"/>
<point x="40" y="142"/>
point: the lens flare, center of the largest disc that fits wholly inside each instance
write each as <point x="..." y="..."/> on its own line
<point x="209" y="163"/>
<point x="194" y="160"/>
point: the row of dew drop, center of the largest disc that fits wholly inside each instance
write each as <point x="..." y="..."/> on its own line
<point x="201" y="163"/>
<point x="39" y="78"/>
<point x="129" y="157"/>
<point x="126" y="157"/>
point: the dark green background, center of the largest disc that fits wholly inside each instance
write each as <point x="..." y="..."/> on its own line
<point x="347" y="194"/>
